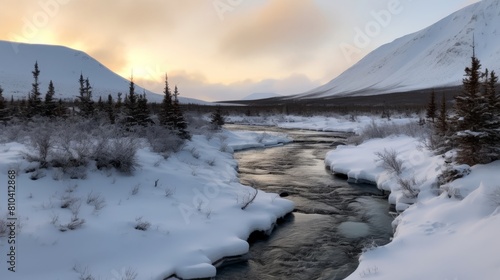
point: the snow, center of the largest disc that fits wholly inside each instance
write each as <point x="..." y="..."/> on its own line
<point x="261" y="95"/>
<point x="438" y="235"/>
<point x="243" y="140"/>
<point x="425" y="59"/>
<point x="318" y="123"/>
<point x="197" y="224"/>
<point x="18" y="60"/>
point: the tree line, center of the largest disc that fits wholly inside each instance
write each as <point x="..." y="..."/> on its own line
<point x="132" y="110"/>
<point x="470" y="133"/>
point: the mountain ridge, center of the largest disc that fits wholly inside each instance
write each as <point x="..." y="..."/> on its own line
<point x="432" y="57"/>
<point x="63" y="66"/>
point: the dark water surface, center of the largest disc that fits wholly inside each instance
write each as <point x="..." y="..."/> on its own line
<point x="332" y="222"/>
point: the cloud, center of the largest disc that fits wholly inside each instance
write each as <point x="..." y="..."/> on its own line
<point x="106" y="30"/>
<point x="280" y="26"/>
<point x="196" y="85"/>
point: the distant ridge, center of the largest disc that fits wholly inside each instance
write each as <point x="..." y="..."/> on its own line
<point x="431" y="58"/>
<point x="261" y="95"/>
<point x="64" y="66"/>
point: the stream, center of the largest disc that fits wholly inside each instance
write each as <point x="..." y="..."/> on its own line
<point x="332" y="222"/>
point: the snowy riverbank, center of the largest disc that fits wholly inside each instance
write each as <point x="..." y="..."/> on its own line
<point x="443" y="233"/>
<point x="437" y="229"/>
<point x="172" y="217"/>
<point x="319" y="123"/>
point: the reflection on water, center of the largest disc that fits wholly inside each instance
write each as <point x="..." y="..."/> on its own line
<point x="333" y="219"/>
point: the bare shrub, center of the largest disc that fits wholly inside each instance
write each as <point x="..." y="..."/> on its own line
<point x="135" y="189"/>
<point x="409" y="187"/>
<point x="163" y="141"/>
<point x="96" y="200"/>
<point x="37" y="174"/>
<point x="40" y="142"/>
<point x="390" y="161"/>
<point x="369" y="272"/>
<point x="374" y="130"/>
<point x="74" y="224"/>
<point x="67" y="201"/>
<point x="247" y="199"/>
<point x="76" y="172"/>
<point x="142" y="225"/>
<point x="129" y="274"/>
<point x="211" y="162"/>
<point x="169" y="192"/>
<point x="120" y="154"/>
<point x="85" y="273"/>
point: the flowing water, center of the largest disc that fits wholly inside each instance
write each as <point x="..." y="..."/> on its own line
<point x="332" y="222"/>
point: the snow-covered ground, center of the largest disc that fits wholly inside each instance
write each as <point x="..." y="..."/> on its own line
<point x="448" y="233"/>
<point x="189" y="207"/>
<point x="319" y="123"/>
<point x="439" y="236"/>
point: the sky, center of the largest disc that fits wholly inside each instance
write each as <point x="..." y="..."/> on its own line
<point x="222" y="49"/>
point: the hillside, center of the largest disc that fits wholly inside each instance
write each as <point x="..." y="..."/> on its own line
<point x="431" y="58"/>
<point x="64" y="66"/>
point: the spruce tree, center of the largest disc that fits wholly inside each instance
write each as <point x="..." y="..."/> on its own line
<point x="180" y="123"/>
<point x="34" y="98"/>
<point x="131" y="105"/>
<point x="119" y="103"/>
<point x="492" y="128"/>
<point x="4" y="111"/>
<point x="442" y="119"/>
<point x="217" y="120"/>
<point x="431" y="107"/>
<point x="166" y="114"/>
<point x="469" y="123"/>
<point x="50" y="105"/>
<point x="86" y="104"/>
<point x="100" y="105"/>
<point x="143" y="113"/>
<point x="61" y="109"/>
<point x="109" y="109"/>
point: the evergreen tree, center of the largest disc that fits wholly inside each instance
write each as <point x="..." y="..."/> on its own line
<point x="492" y="128"/>
<point x="143" y="113"/>
<point x="442" y="119"/>
<point x="431" y="107"/>
<point x="86" y="104"/>
<point x="100" y="105"/>
<point x="61" y="109"/>
<point x="131" y="105"/>
<point x="217" y="120"/>
<point x="4" y="111"/>
<point x="166" y="114"/>
<point x="34" y="98"/>
<point x="469" y="124"/>
<point x="109" y="109"/>
<point x="50" y="105"/>
<point x="119" y="103"/>
<point x="180" y="123"/>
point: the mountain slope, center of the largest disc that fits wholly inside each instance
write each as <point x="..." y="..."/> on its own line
<point x="261" y="95"/>
<point x="64" y="66"/>
<point x="432" y="57"/>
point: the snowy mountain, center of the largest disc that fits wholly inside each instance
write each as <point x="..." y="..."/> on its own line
<point x="431" y="58"/>
<point x="64" y="66"/>
<point x="261" y="95"/>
